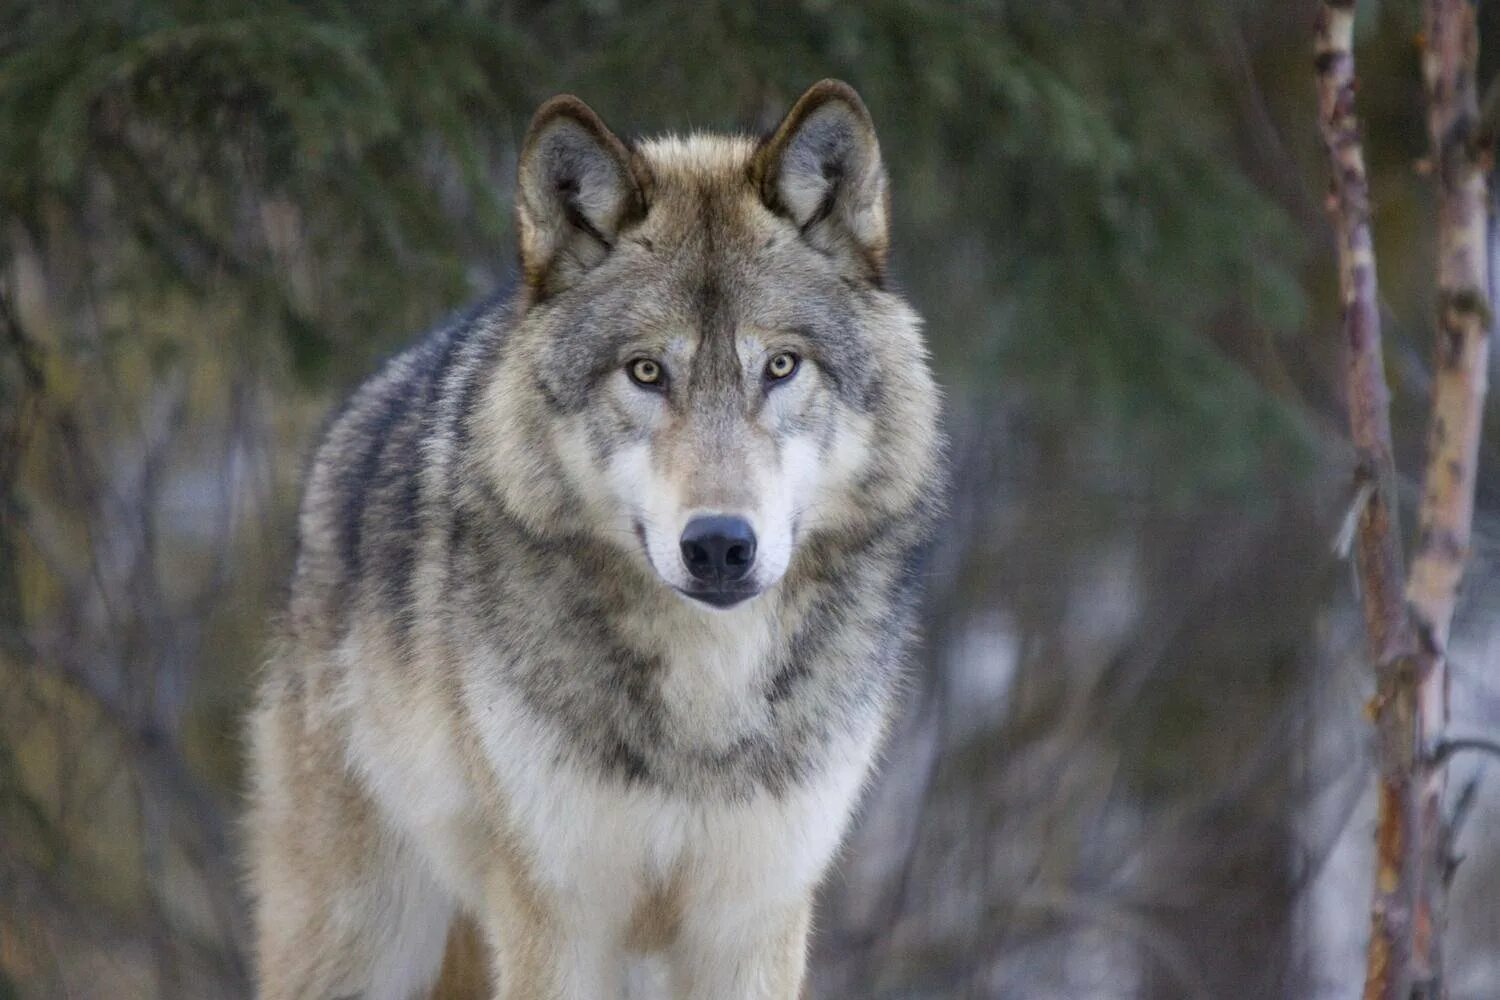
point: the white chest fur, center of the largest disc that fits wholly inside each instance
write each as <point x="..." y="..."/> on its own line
<point x="608" y="843"/>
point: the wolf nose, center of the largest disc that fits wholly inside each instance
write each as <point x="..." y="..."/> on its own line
<point x="718" y="549"/>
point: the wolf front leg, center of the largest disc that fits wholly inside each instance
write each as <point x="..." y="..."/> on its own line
<point x="541" y="951"/>
<point x="342" y="906"/>
<point x="765" y="959"/>
<point x="541" y="964"/>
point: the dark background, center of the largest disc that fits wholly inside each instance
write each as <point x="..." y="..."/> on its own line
<point x="1134" y="764"/>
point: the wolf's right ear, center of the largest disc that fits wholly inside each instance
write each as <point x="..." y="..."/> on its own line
<point x="578" y="187"/>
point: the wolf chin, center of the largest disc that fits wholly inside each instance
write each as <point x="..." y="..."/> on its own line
<point x="603" y="594"/>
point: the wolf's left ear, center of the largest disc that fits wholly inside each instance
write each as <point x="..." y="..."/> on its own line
<point x="578" y="186"/>
<point x="821" y="168"/>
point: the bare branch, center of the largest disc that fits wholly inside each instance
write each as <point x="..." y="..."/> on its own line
<point x="1446" y="748"/>
<point x="1462" y="809"/>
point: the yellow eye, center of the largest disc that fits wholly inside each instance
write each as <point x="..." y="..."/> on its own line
<point x="644" y="371"/>
<point x="781" y="365"/>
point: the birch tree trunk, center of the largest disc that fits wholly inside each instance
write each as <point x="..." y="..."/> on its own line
<point x="1445" y="518"/>
<point x="1377" y="547"/>
<point x="1408" y="632"/>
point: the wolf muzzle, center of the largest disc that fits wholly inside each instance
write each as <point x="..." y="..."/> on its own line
<point x="719" y="553"/>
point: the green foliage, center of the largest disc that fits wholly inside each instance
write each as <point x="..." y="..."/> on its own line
<point x="322" y="168"/>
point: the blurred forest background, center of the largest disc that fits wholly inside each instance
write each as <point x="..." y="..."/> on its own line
<point x="1134" y="763"/>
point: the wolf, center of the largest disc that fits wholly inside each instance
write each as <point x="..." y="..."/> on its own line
<point x="603" y="593"/>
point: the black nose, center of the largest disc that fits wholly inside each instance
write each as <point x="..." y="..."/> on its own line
<point x="718" y="549"/>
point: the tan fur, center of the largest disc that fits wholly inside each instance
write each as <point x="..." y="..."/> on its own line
<point x="466" y="964"/>
<point x="657" y="918"/>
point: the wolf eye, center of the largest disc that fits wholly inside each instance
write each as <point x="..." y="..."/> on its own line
<point x="644" y="371"/>
<point x="781" y="366"/>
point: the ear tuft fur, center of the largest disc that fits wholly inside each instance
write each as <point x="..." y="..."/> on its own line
<point x="579" y="185"/>
<point x="822" y="169"/>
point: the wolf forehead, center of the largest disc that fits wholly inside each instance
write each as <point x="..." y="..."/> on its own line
<point x="702" y="185"/>
<point x="707" y="260"/>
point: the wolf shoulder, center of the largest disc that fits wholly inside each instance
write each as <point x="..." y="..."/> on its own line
<point x="382" y="473"/>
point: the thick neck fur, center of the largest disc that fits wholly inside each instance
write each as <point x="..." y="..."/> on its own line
<point x="714" y="704"/>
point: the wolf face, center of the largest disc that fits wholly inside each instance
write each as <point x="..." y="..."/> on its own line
<point x="706" y="357"/>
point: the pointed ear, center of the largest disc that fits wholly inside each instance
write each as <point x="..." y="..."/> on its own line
<point x="821" y="168"/>
<point x="578" y="186"/>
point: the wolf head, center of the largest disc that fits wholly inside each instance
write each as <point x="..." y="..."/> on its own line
<point x="707" y="372"/>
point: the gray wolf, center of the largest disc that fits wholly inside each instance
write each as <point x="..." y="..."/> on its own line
<point x="603" y="594"/>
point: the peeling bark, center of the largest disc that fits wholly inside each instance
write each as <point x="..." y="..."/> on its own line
<point x="1462" y="162"/>
<point x="1408" y="623"/>
<point x="1377" y="544"/>
<point x="1377" y="548"/>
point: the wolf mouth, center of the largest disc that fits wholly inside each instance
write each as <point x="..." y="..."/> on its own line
<point x="723" y="598"/>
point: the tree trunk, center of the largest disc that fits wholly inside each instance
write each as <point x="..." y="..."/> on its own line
<point x="1377" y="545"/>
<point x="1444" y="520"/>
<point x="1408" y="633"/>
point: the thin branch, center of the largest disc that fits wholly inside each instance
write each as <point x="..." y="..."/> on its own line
<point x="1446" y="748"/>
<point x="1462" y="809"/>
